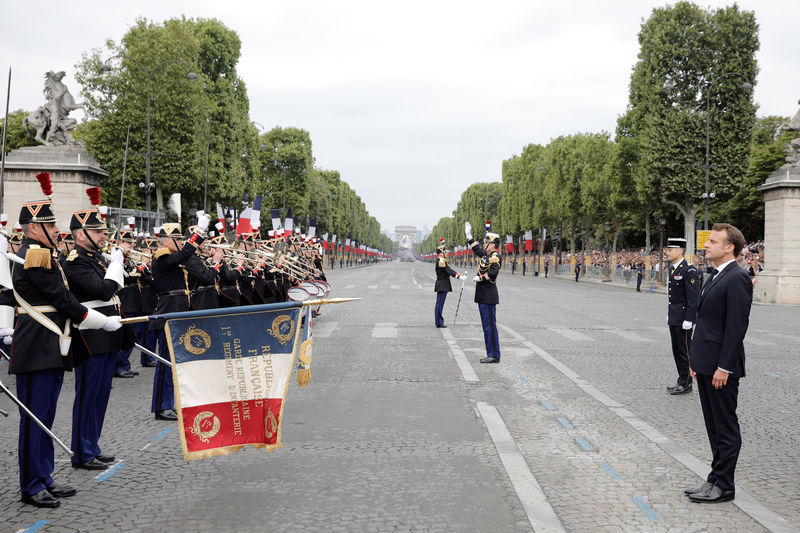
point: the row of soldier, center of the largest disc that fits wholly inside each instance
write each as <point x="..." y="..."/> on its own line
<point x="61" y="306"/>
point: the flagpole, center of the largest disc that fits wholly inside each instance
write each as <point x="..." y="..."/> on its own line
<point x="5" y="134"/>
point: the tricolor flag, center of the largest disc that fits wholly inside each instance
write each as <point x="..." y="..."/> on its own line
<point x="312" y="228"/>
<point x="488" y="226"/>
<point x="255" y="215"/>
<point x="509" y="244"/>
<point x="288" y="223"/>
<point x="325" y="241"/>
<point x="231" y="370"/>
<point x="220" y="215"/>
<point x="529" y="241"/>
<point x="275" y="215"/>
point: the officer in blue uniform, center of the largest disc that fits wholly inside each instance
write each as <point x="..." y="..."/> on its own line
<point x="94" y="281"/>
<point x="170" y="279"/>
<point x="683" y="291"/>
<point x="40" y="348"/>
<point x="442" y="287"/>
<point x="486" y="289"/>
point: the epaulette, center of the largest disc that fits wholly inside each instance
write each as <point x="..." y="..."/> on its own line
<point x="37" y="257"/>
<point x="495" y="258"/>
<point x="161" y="252"/>
<point x="442" y="262"/>
<point x="72" y="255"/>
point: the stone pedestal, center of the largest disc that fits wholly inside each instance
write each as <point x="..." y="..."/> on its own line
<point x="780" y="280"/>
<point x="72" y="171"/>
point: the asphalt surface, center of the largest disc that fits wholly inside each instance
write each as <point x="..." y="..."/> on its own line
<point x="401" y="429"/>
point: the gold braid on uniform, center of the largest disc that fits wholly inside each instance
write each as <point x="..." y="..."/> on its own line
<point x="37" y="257"/>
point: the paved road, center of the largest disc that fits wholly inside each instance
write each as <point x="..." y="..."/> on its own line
<point x="402" y="430"/>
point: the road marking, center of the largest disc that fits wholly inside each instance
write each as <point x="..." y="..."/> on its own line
<point x="744" y="501"/>
<point x="461" y="360"/>
<point x="384" y="330"/>
<point x="651" y="514"/>
<point x="583" y="443"/>
<point x="565" y="423"/>
<point x="570" y="334"/>
<point x="324" y="329"/>
<point x="794" y="338"/>
<point x="395" y="287"/>
<point x="627" y="335"/>
<point x="771" y="374"/>
<point x="540" y="513"/>
<point x="372" y="287"/>
<point x="35" y="527"/>
<point x="548" y="405"/>
<point x="610" y="471"/>
<point x="349" y="287"/>
<point x="105" y="476"/>
<point x="758" y="342"/>
<point x="162" y="434"/>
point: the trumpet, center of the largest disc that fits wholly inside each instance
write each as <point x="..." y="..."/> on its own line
<point x="138" y="255"/>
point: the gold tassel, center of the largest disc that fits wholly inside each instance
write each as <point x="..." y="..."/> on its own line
<point x="303" y="376"/>
<point x="38" y="258"/>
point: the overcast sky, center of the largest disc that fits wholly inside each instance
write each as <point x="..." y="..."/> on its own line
<point x="411" y="101"/>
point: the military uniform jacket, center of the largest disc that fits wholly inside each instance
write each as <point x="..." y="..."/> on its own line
<point x="682" y="293"/>
<point x="723" y="314"/>
<point x="319" y="266"/>
<point x="35" y="347"/>
<point x="130" y="295"/>
<point x="443" y="273"/>
<point x="85" y="272"/>
<point x="229" y="290"/>
<point x="488" y="268"/>
<point x="202" y="283"/>
<point x="170" y="281"/>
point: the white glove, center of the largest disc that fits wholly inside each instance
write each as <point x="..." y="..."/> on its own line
<point x="3" y="243"/>
<point x="468" y="230"/>
<point x="5" y="334"/>
<point x="686" y="325"/>
<point x="112" y="323"/>
<point x="202" y="222"/>
<point x="116" y="256"/>
<point x="7" y="340"/>
<point x="477" y="279"/>
<point x="94" y="320"/>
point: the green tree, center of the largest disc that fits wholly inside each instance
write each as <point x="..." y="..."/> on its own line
<point x="17" y="137"/>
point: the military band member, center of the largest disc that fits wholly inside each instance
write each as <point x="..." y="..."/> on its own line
<point x="486" y="289"/>
<point x="130" y="298"/>
<point x="683" y="291"/>
<point x="170" y="280"/>
<point x="442" y="286"/>
<point x="94" y="281"/>
<point x="202" y="277"/>
<point x="40" y="348"/>
<point x="149" y="297"/>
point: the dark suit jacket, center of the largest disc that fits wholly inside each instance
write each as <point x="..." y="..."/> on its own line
<point x="723" y="314"/>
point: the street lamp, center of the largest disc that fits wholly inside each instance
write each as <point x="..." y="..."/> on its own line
<point x="745" y="86"/>
<point x="192" y="76"/>
<point x="662" y="221"/>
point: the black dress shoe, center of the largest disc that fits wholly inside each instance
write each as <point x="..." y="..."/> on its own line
<point x="134" y="372"/>
<point x="123" y="374"/>
<point x="94" y="464"/>
<point x="149" y="364"/>
<point x="490" y="360"/>
<point x="166" y="414"/>
<point x="103" y="458"/>
<point x="713" y="495"/>
<point x="442" y="326"/>
<point x="705" y="487"/>
<point x="680" y="389"/>
<point x="671" y="388"/>
<point x="61" y="491"/>
<point x="42" y="499"/>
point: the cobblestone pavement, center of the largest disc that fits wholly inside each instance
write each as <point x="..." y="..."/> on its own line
<point x="394" y="432"/>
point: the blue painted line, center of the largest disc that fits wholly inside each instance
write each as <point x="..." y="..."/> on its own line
<point x="36" y="527"/>
<point x="771" y="374"/>
<point x="549" y="406"/>
<point x="110" y="472"/>
<point x="610" y="471"/>
<point x="564" y="422"/>
<point x="163" y="434"/>
<point x="583" y="443"/>
<point x="648" y="511"/>
<point x="535" y="392"/>
<point x="524" y="380"/>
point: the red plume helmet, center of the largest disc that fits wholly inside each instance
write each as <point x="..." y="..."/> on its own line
<point x="44" y="183"/>
<point x="94" y="195"/>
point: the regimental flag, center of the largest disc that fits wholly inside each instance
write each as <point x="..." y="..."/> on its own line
<point x="231" y="370"/>
<point x="306" y="349"/>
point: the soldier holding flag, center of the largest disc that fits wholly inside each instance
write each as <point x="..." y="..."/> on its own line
<point x="442" y="287"/>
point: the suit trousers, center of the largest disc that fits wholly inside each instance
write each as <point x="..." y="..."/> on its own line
<point x="437" y="316"/>
<point x="92" y="391"/>
<point x="163" y="388"/>
<point x="680" y="352"/>
<point x="123" y="357"/>
<point x="38" y="391"/>
<point x="488" y="314"/>
<point x="722" y="426"/>
<point x="148" y="340"/>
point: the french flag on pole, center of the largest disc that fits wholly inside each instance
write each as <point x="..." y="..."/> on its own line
<point x="275" y="215"/>
<point x="255" y="215"/>
<point x="488" y="226"/>
<point x="288" y="223"/>
<point x="231" y="373"/>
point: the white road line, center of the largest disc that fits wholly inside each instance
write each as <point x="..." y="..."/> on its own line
<point x="744" y="501"/>
<point x="461" y="359"/>
<point x="324" y="329"/>
<point x="794" y="338"/>
<point x="758" y="342"/>
<point x="372" y="287"/>
<point x="627" y="335"/>
<point x="346" y="287"/>
<point x="395" y="287"/>
<point x="384" y="330"/>
<point x="540" y="513"/>
<point x="570" y="334"/>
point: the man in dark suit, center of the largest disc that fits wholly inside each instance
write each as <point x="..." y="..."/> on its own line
<point x="442" y="287"/>
<point x="717" y="358"/>
<point x="683" y="289"/>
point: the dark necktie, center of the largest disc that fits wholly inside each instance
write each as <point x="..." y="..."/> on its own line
<point x="714" y="272"/>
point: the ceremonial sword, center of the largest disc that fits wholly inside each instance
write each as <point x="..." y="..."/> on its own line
<point x="459" y="297"/>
